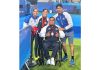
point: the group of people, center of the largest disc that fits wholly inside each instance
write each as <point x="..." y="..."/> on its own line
<point x="59" y="26"/>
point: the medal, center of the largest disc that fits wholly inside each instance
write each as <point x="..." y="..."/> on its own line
<point x="52" y="33"/>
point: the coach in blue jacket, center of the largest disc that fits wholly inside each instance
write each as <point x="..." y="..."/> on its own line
<point x="64" y="22"/>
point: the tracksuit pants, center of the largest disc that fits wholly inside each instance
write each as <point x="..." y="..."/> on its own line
<point x="50" y="45"/>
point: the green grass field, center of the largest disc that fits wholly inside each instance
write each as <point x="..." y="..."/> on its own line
<point x="65" y="65"/>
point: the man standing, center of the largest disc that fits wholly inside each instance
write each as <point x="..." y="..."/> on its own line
<point x="64" y="22"/>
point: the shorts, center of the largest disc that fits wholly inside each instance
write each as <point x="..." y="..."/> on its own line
<point x="70" y="36"/>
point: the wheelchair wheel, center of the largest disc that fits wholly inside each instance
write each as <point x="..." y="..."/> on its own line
<point x="57" y="60"/>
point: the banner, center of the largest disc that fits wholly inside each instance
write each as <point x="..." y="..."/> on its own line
<point x="25" y="45"/>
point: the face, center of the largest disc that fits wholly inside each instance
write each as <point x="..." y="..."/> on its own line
<point x="44" y="13"/>
<point x="59" y="9"/>
<point x="51" y="21"/>
<point x="35" y="12"/>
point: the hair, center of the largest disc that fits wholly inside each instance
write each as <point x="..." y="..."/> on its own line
<point x="35" y="9"/>
<point x="45" y="9"/>
<point x="59" y="5"/>
<point x="52" y="17"/>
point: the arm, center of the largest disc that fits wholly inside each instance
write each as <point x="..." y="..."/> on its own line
<point x="62" y="34"/>
<point x="43" y="32"/>
<point x="26" y="21"/>
<point x="25" y="25"/>
<point x="69" y="19"/>
<point x="60" y="29"/>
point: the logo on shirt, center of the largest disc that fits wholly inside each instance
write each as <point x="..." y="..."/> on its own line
<point x="63" y="18"/>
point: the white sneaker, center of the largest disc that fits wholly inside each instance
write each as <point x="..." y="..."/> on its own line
<point x="52" y="61"/>
<point x="48" y="61"/>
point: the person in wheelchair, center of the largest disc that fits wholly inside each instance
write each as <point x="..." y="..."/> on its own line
<point x="51" y="34"/>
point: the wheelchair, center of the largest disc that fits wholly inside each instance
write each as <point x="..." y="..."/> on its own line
<point x="58" y="58"/>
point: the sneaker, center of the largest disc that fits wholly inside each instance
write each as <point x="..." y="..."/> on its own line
<point x="48" y="61"/>
<point x="52" y="61"/>
<point x="64" y="58"/>
<point x="72" y="62"/>
<point x="34" y="62"/>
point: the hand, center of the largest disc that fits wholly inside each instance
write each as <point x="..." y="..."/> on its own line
<point x="61" y="29"/>
<point x="57" y="35"/>
<point x="48" y="34"/>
